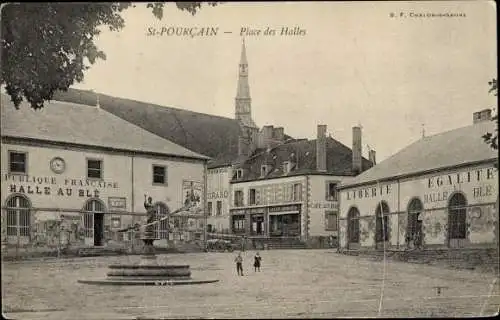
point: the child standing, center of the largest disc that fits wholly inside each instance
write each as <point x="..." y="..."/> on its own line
<point x="256" y="262"/>
<point x="239" y="264"/>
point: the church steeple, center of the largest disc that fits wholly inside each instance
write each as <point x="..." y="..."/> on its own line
<point x="243" y="102"/>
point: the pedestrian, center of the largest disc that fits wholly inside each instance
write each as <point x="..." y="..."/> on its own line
<point x="239" y="264"/>
<point x="256" y="262"/>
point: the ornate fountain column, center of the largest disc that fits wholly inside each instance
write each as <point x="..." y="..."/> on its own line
<point x="148" y="235"/>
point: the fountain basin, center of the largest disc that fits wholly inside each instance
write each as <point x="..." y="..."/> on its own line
<point x="149" y="271"/>
<point x="127" y="282"/>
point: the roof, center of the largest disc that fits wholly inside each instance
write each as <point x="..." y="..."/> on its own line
<point x="83" y="125"/>
<point x="214" y="136"/>
<point x="440" y="151"/>
<point x="338" y="158"/>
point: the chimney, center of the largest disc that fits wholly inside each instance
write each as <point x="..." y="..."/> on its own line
<point x="279" y="134"/>
<point x="480" y="116"/>
<point x="321" y="148"/>
<point x="267" y="136"/>
<point x="371" y="157"/>
<point x="356" y="150"/>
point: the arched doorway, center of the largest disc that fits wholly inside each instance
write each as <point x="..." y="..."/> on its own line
<point x="457" y="220"/>
<point x="381" y="225"/>
<point x="161" y="211"/>
<point x="93" y="222"/>
<point x="414" y="232"/>
<point x="353" y="228"/>
<point x="18" y="224"/>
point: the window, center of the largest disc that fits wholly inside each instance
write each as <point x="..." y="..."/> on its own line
<point x="94" y="168"/>
<point x="17" y="162"/>
<point x="238" y="174"/>
<point x="297" y="192"/>
<point x="251" y="200"/>
<point x="353" y="225"/>
<point x="239" y="223"/>
<point x="330" y="221"/>
<point x="382" y="222"/>
<point x="159" y="174"/>
<point x="331" y="191"/>
<point x="162" y="211"/>
<point x="209" y="208"/>
<point x="414" y="226"/>
<point x="238" y="198"/>
<point x="219" y="208"/>
<point x="18" y="216"/>
<point x="286" y="167"/>
<point x="457" y="213"/>
<point x="263" y="170"/>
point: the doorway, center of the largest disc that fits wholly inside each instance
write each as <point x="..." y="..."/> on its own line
<point x="98" y="229"/>
<point x="93" y="222"/>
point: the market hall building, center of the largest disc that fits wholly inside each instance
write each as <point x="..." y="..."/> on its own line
<point x="439" y="192"/>
<point x="76" y="174"/>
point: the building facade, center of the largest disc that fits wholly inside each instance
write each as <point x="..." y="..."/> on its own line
<point x="289" y="190"/>
<point x="439" y="192"/>
<point x="227" y="141"/>
<point x="218" y="199"/>
<point x="76" y="175"/>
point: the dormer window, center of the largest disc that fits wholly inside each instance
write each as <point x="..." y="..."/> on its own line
<point x="264" y="169"/>
<point x="238" y="174"/>
<point x="287" y="167"/>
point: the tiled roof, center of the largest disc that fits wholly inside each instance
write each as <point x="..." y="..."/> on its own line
<point x="339" y="160"/>
<point x="83" y="125"/>
<point x="214" y="136"/>
<point x="444" y="150"/>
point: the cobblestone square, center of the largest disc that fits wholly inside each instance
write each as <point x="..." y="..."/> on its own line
<point x="292" y="283"/>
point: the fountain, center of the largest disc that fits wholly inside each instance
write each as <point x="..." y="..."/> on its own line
<point x="148" y="272"/>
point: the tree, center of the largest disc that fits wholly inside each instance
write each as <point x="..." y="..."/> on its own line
<point x="492" y="138"/>
<point x="46" y="47"/>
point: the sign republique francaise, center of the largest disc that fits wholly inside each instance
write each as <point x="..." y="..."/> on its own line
<point x="51" y="185"/>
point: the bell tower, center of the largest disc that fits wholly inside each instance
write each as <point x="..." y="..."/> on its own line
<point x="243" y="102"/>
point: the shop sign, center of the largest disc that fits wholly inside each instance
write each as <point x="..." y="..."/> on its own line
<point x="117" y="203"/>
<point x="218" y="195"/>
<point x="285" y="208"/>
<point x="248" y="210"/>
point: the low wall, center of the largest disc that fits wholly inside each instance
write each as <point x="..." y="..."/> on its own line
<point x="482" y="259"/>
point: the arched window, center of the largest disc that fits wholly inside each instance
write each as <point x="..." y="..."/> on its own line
<point x="162" y="211"/>
<point x="18" y="216"/>
<point x="415" y="208"/>
<point x="353" y="225"/>
<point x="457" y="214"/>
<point x="381" y="222"/>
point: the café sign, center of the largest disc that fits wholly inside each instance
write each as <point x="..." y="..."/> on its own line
<point x="324" y="205"/>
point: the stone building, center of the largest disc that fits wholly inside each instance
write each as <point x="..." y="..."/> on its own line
<point x="226" y="141"/>
<point x="76" y="174"/>
<point x="288" y="188"/>
<point x="439" y="192"/>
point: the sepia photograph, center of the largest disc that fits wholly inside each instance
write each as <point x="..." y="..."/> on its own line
<point x="249" y="160"/>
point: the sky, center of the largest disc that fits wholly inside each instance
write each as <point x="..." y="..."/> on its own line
<point x="355" y="64"/>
